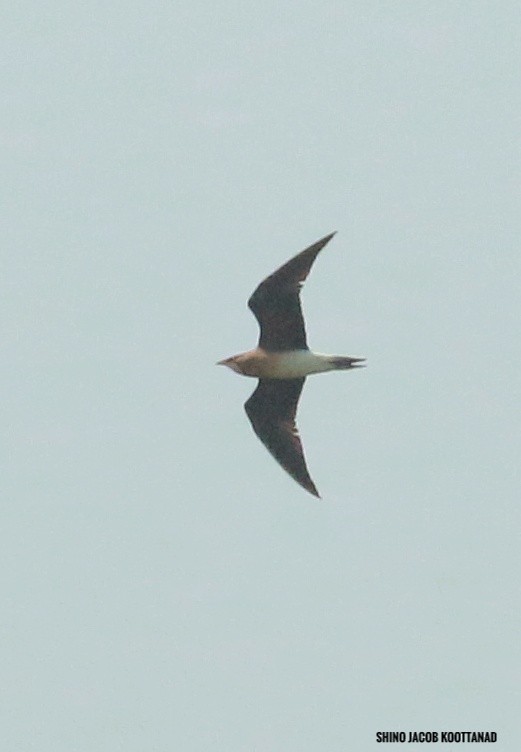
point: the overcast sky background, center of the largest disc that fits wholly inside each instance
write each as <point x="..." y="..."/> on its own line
<point x="165" y="585"/>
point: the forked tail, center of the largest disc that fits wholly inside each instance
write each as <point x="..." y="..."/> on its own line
<point x="342" y="362"/>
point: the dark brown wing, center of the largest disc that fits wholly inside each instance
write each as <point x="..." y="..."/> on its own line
<point x="276" y="302"/>
<point x="271" y="410"/>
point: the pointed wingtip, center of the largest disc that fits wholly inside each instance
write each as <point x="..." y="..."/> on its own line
<point x="326" y="238"/>
<point x="319" y="244"/>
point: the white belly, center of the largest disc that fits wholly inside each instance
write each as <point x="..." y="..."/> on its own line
<point x="296" y="364"/>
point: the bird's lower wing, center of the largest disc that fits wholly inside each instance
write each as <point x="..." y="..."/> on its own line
<point x="271" y="410"/>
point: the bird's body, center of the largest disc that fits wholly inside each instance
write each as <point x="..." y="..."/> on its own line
<point x="282" y="361"/>
<point x="288" y="364"/>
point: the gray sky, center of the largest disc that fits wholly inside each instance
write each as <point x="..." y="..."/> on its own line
<point x="165" y="585"/>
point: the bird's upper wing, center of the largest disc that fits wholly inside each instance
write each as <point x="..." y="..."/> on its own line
<point x="271" y="410"/>
<point x="276" y="302"/>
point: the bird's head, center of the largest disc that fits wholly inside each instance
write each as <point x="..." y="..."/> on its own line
<point x="233" y="362"/>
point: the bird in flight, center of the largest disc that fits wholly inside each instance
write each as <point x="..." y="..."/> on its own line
<point x="281" y="362"/>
